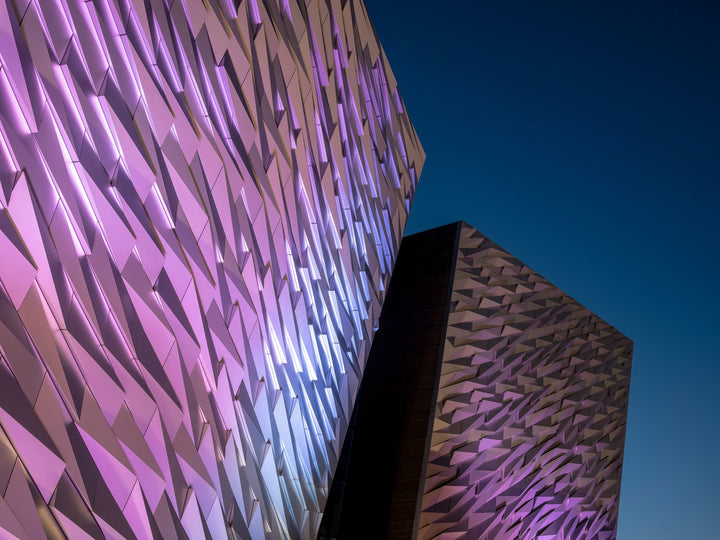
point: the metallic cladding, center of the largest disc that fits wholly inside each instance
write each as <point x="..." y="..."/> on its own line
<point x="529" y="423"/>
<point x="200" y="207"/>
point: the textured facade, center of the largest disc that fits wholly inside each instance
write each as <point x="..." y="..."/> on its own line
<point x="526" y="421"/>
<point x="529" y="422"/>
<point x="200" y="207"/>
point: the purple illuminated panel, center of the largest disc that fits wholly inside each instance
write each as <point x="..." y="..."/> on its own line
<point x="529" y="424"/>
<point x="200" y="207"/>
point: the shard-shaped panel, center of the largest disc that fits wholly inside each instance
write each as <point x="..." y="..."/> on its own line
<point x="200" y="206"/>
<point x="529" y="423"/>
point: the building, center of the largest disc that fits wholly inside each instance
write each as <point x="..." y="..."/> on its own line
<point x="493" y="405"/>
<point x="200" y="207"/>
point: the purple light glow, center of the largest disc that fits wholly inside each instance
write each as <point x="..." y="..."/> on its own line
<point x="197" y="232"/>
<point x="529" y="422"/>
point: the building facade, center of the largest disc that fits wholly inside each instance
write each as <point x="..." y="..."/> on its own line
<point x="507" y="405"/>
<point x="200" y="207"/>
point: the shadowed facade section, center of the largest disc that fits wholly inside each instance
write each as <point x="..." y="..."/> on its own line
<point x="375" y="489"/>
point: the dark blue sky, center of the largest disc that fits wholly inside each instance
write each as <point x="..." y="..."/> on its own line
<point x="584" y="138"/>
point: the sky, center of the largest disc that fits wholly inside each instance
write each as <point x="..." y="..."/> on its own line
<point x="584" y="138"/>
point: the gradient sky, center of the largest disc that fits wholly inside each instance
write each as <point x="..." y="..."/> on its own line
<point x="584" y="138"/>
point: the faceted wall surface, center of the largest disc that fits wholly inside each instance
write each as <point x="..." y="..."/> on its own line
<point x="529" y="424"/>
<point x="493" y="406"/>
<point x="200" y="207"/>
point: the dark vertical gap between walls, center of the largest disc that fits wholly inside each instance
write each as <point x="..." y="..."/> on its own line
<point x="378" y="481"/>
